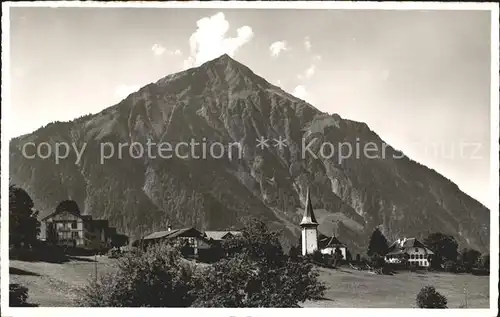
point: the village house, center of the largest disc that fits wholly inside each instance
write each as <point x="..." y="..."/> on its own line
<point x="415" y="252"/>
<point x="220" y="236"/>
<point x="69" y="228"/>
<point x="328" y="245"/>
<point x="195" y="240"/>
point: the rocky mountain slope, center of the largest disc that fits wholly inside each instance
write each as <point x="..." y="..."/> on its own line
<point x="224" y="101"/>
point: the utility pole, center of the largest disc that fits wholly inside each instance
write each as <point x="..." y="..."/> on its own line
<point x="95" y="261"/>
<point x="465" y="294"/>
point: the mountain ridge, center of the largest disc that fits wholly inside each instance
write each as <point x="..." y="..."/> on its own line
<point x="225" y="101"/>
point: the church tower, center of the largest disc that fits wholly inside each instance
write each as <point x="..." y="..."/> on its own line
<point x="309" y="227"/>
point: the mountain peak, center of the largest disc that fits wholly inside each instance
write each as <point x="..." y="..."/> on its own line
<point x="225" y="60"/>
<point x="225" y="56"/>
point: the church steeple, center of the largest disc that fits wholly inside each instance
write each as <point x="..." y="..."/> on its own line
<point x="308" y="219"/>
<point x="309" y="226"/>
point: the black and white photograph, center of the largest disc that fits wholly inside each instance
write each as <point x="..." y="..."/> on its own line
<point x="249" y="155"/>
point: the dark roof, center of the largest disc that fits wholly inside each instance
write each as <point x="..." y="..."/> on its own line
<point x="218" y="235"/>
<point x="308" y="218"/>
<point x="84" y="217"/>
<point x="407" y="243"/>
<point x="396" y="252"/>
<point x="330" y="242"/>
<point x="171" y="234"/>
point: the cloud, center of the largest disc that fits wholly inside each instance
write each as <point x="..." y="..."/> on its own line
<point x="310" y="71"/>
<point x="277" y="47"/>
<point x="210" y="40"/>
<point x="158" y="50"/>
<point x="123" y="91"/>
<point x="300" y="92"/>
<point x="307" y="44"/>
<point x="176" y="52"/>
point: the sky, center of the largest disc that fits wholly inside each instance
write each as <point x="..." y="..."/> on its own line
<point x="419" y="79"/>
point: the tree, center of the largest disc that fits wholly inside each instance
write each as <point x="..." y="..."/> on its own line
<point x="470" y="258"/>
<point x="68" y="205"/>
<point x="337" y="257"/>
<point x="428" y="297"/>
<point x="119" y="240"/>
<point x="260" y="274"/>
<point x="294" y="252"/>
<point x="155" y="278"/>
<point x="23" y="224"/>
<point x="51" y="233"/>
<point x="18" y="295"/>
<point x="378" y="244"/>
<point x="484" y="261"/>
<point x="444" y="246"/>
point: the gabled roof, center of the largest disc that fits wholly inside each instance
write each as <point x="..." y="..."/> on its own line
<point x="408" y="243"/>
<point x="218" y="235"/>
<point x="396" y="252"/>
<point x="330" y="242"/>
<point x="174" y="233"/>
<point x="334" y="242"/>
<point x="308" y="218"/>
<point x="84" y="217"/>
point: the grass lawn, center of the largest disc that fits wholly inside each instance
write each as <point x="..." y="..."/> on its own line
<point x="350" y="288"/>
<point x="53" y="285"/>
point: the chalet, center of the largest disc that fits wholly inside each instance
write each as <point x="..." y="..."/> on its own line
<point x="414" y="251"/>
<point x="221" y="235"/>
<point x="195" y="240"/>
<point x="71" y="229"/>
<point x="328" y="245"/>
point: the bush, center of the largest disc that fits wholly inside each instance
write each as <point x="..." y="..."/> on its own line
<point x="240" y="282"/>
<point x="155" y="278"/>
<point x="41" y="252"/>
<point x="260" y="274"/>
<point x="450" y="266"/>
<point x="377" y="261"/>
<point x="428" y="297"/>
<point x="318" y="257"/>
<point x="255" y="273"/>
<point x="18" y="295"/>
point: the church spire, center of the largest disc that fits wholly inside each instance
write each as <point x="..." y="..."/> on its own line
<point x="308" y="218"/>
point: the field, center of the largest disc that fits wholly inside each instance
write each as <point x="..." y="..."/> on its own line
<point x="54" y="285"/>
<point x="350" y="288"/>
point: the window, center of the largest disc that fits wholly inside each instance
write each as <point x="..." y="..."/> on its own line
<point x="420" y="263"/>
<point x="416" y="250"/>
<point x="412" y="256"/>
<point x="75" y="235"/>
<point x="74" y="225"/>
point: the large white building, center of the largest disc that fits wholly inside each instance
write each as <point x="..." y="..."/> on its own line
<point x="410" y="248"/>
